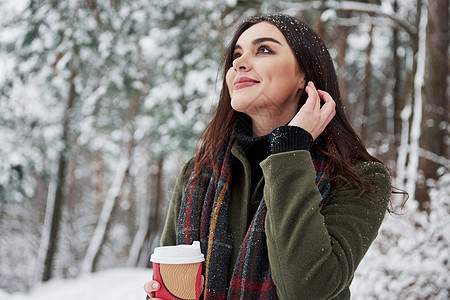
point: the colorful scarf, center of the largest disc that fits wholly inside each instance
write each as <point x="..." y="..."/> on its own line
<point x="204" y="216"/>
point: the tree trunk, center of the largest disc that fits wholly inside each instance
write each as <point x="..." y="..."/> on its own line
<point x="144" y="227"/>
<point x="98" y="183"/>
<point x="435" y="111"/>
<point x="397" y="94"/>
<point x="139" y="238"/>
<point x="419" y="72"/>
<point x="150" y="219"/>
<point x="55" y="198"/>
<point x="369" y="107"/>
<point x="156" y="200"/>
<point x="99" y="235"/>
<point x="340" y="40"/>
<point x="118" y="185"/>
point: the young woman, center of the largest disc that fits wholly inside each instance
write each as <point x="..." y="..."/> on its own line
<point x="282" y="195"/>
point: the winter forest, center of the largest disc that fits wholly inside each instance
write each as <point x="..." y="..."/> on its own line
<point x="102" y="101"/>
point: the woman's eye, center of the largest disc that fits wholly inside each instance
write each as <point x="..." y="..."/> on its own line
<point x="264" y="49"/>
<point x="236" y="55"/>
<point x="261" y="50"/>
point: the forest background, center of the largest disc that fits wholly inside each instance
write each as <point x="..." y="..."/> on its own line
<point x="101" y="102"/>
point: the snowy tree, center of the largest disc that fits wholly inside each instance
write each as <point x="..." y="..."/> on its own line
<point x="128" y="73"/>
<point x="30" y="50"/>
<point x="434" y="149"/>
<point x="102" y="101"/>
<point x="409" y="258"/>
<point x="74" y="52"/>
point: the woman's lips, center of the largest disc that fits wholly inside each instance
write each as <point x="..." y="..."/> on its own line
<point x="243" y="82"/>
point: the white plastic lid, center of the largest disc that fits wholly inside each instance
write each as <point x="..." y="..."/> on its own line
<point x="180" y="254"/>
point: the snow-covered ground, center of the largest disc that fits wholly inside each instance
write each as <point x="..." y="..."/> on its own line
<point x="112" y="284"/>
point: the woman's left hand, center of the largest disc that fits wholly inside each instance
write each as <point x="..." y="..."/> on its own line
<point x="311" y="117"/>
<point x="151" y="287"/>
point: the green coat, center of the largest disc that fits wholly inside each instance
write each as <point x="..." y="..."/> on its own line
<point x="312" y="254"/>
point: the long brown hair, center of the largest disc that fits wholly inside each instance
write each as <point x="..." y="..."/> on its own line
<point x="338" y="141"/>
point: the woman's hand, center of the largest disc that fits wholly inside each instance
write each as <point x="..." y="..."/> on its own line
<point x="311" y="117"/>
<point x="151" y="287"/>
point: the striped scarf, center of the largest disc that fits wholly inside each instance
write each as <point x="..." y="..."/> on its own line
<point x="204" y="216"/>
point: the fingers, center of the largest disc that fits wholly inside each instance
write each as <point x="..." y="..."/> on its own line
<point x="329" y="106"/>
<point x="313" y="100"/>
<point x="328" y="110"/>
<point x="326" y="98"/>
<point x="151" y="287"/>
<point x="202" y="284"/>
<point x="312" y="117"/>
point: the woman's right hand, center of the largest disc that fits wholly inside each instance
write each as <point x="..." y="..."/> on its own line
<point x="151" y="287"/>
<point x="313" y="117"/>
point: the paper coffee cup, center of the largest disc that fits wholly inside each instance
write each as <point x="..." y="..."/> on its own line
<point x="179" y="270"/>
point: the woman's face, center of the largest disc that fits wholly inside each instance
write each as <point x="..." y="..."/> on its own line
<point x="264" y="80"/>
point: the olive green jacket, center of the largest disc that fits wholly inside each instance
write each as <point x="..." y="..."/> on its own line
<point x="312" y="254"/>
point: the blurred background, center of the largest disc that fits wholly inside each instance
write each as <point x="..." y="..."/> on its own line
<point x="101" y="102"/>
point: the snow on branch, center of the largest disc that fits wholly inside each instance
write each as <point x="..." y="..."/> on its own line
<point x="292" y="8"/>
<point x="437" y="159"/>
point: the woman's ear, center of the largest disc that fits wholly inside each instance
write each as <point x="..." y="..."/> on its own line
<point x="301" y="82"/>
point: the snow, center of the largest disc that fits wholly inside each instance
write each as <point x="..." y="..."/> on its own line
<point x="112" y="284"/>
<point x="409" y="258"/>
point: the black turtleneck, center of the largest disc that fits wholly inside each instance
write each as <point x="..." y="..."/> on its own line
<point x="281" y="139"/>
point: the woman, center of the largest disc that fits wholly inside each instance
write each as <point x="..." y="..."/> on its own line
<point x="282" y="194"/>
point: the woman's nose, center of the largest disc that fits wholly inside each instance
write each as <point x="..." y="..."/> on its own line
<point x="241" y="64"/>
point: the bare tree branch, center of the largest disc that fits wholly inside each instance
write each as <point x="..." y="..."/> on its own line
<point x="293" y="8"/>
